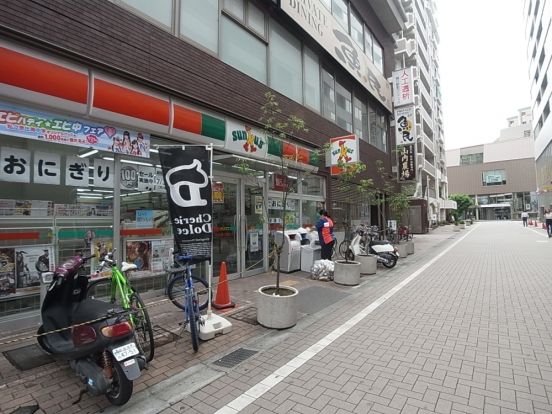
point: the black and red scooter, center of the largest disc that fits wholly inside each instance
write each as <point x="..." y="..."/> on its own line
<point x="99" y="344"/>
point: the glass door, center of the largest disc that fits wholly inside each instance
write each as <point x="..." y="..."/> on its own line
<point x="225" y="226"/>
<point x="253" y="230"/>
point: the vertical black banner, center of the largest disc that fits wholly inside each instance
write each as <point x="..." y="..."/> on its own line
<point x="186" y="173"/>
<point x="407" y="164"/>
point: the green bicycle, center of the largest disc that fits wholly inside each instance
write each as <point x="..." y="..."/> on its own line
<point x="117" y="290"/>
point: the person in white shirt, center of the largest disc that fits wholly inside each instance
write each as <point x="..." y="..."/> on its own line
<point x="548" y="218"/>
<point x="524" y="217"/>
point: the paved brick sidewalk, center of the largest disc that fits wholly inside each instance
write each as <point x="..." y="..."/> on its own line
<point x="54" y="387"/>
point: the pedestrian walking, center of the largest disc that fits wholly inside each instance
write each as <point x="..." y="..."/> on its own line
<point x="524" y="217"/>
<point x="325" y="235"/>
<point x="548" y="218"/>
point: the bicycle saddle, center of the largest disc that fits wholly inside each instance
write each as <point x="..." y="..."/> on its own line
<point x="125" y="267"/>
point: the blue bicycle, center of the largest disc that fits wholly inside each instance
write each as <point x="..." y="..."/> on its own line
<point x="191" y="303"/>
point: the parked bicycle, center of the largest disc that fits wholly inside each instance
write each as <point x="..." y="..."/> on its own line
<point x="176" y="286"/>
<point x="117" y="290"/>
<point x="189" y="300"/>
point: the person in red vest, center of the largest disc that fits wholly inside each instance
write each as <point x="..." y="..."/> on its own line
<point x="325" y="235"/>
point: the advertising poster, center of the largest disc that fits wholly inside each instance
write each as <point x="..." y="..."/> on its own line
<point x="144" y="219"/>
<point x="190" y="197"/>
<point x="403" y="86"/>
<point x="27" y="259"/>
<point x="218" y="193"/>
<point x="139" y="253"/>
<point x="405" y="125"/>
<point x="26" y="123"/>
<point x="161" y="255"/>
<point x="99" y="248"/>
<point x="343" y="150"/>
<point x="7" y="271"/>
<point x="258" y="203"/>
<point x="406" y="162"/>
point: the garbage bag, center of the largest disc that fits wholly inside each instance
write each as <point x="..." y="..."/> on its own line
<point x="322" y="270"/>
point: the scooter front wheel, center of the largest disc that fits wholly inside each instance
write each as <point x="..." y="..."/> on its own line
<point x="390" y="262"/>
<point x="121" y="387"/>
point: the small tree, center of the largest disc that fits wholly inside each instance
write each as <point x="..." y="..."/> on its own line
<point x="463" y="203"/>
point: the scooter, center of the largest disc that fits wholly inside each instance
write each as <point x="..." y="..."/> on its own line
<point x="96" y="338"/>
<point x="364" y="242"/>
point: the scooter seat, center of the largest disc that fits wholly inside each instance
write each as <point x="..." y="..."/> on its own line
<point x="90" y="309"/>
<point x="125" y="267"/>
<point x="379" y="242"/>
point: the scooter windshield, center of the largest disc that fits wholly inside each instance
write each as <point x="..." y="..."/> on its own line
<point x="69" y="267"/>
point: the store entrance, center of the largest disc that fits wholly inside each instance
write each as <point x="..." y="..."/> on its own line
<point x="238" y="227"/>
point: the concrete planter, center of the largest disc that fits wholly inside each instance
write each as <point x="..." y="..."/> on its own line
<point x="368" y="264"/>
<point x="277" y="311"/>
<point x="347" y="273"/>
<point x="401" y="249"/>
<point x="463" y="226"/>
<point x="410" y="247"/>
<point x="456" y="227"/>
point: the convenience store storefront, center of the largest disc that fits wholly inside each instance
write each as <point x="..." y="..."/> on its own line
<point x="79" y="169"/>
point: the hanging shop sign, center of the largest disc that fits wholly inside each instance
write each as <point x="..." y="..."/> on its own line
<point x="186" y="172"/>
<point x="319" y="22"/>
<point x="403" y="87"/>
<point x="343" y="150"/>
<point x="244" y="139"/>
<point x="405" y="125"/>
<point x="42" y="126"/>
<point x="407" y="162"/>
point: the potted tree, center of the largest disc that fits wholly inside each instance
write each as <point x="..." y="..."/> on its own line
<point x="277" y="303"/>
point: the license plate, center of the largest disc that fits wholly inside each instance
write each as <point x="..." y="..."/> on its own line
<point x="126" y="351"/>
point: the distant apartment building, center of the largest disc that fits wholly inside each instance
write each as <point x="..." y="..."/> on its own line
<point x="500" y="176"/>
<point x="538" y="16"/>
<point x="416" y="56"/>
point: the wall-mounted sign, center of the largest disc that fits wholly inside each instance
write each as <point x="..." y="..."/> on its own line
<point x="26" y="123"/>
<point x="407" y="162"/>
<point x="242" y="138"/>
<point x="343" y="150"/>
<point x="318" y="21"/>
<point x="405" y="125"/>
<point x="403" y="87"/>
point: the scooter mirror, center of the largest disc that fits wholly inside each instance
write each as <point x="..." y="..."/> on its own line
<point x="47" y="277"/>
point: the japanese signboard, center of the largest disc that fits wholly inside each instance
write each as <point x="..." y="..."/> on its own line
<point x="47" y="168"/>
<point x="407" y="162"/>
<point x="189" y="194"/>
<point x="315" y="18"/>
<point x="42" y="126"/>
<point x="15" y="165"/>
<point x="242" y="138"/>
<point x="343" y="150"/>
<point x="403" y="87"/>
<point x="405" y="125"/>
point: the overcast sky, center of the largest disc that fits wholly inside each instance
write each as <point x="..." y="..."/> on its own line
<point x="483" y="66"/>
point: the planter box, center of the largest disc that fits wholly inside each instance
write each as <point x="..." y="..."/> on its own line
<point x="410" y="247"/>
<point x="347" y="273"/>
<point x="368" y="264"/>
<point x="456" y="228"/>
<point x="401" y="249"/>
<point x="278" y="312"/>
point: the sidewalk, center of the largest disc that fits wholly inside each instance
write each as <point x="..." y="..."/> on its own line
<point x="176" y="370"/>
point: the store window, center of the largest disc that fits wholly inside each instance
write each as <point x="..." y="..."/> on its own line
<point x="368" y="43"/>
<point x="494" y="177"/>
<point x="377" y="55"/>
<point x="311" y="85"/>
<point x="256" y="19"/>
<point x="344" y="107"/>
<point x="312" y="185"/>
<point x="309" y="211"/>
<point x="242" y="50"/>
<point x="378" y="126"/>
<point x="285" y="62"/>
<point x="199" y="22"/>
<point x="328" y="96"/>
<point x="357" y="30"/>
<point x="161" y="11"/>
<point x="341" y="13"/>
<point x="360" y="118"/>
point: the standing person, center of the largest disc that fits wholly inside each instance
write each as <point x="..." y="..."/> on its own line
<point x="524" y="217"/>
<point x="325" y="235"/>
<point x="548" y="218"/>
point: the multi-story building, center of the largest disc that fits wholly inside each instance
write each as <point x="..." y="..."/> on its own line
<point x="500" y="176"/>
<point x="91" y="90"/>
<point x="417" y="52"/>
<point x="538" y="16"/>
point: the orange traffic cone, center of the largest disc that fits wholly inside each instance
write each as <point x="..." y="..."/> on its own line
<point x="222" y="300"/>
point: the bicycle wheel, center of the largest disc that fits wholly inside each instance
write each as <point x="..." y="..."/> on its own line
<point x="177" y="288"/>
<point x="143" y="330"/>
<point x="343" y="247"/>
<point x="193" y="319"/>
<point x="100" y="289"/>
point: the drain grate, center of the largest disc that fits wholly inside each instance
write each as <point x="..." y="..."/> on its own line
<point x="248" y="315"/>
<point x="235" y="358"/>
<point x="28" y="357"/>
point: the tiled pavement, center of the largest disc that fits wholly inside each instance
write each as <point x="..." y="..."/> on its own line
<point x="472" y="333"/>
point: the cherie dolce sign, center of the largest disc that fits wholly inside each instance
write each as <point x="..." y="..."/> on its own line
<point x="343" y="150"/>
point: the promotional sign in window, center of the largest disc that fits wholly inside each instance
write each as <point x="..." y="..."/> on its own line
<point x="343" y="150"/>
<point x="186" y="172"/>
<point x="405" y="125"/>
<point x="407" y="162"/>
<point x="144" y="219"/>
<point x="218" y="193"/>
<point x="26" y="123"/>
<point x="15" y="165"/>
<point x="47" y="168"/>
<point x="76" y="171"/>
<point x="403" y="87"/>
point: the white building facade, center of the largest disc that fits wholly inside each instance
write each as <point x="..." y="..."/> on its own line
<point x="538" y="17"/>
<point x="417" y="53"/>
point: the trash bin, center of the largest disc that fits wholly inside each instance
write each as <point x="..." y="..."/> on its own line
<point x="309" y="255"/>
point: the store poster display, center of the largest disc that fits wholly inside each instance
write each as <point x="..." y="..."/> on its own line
<point x="32" y="208"/>
<point x="7" y="271"/>
<point x="161" y="254"/>
<point x="26" y="260"/>
<point x="99" y="248"/>
<point x="139" y="253"/>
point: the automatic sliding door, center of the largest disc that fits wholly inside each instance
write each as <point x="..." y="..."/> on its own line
<point x="225" y="226"/>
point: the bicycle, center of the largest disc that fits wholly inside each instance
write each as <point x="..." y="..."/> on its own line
<point x="192" y="314"/>
<point x="176" y="287"/>
<point x="344" y="245"/>
<point x="117" y="290"/>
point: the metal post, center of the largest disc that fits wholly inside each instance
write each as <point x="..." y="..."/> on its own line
<point x="117" y="206"/>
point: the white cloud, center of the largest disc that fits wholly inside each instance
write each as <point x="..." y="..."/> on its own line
<point x="483" y="67"/>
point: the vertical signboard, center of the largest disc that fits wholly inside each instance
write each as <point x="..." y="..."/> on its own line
<point x="405" y="125"/>
<point x="407" y="162"/>
<point x="403" y="87"/>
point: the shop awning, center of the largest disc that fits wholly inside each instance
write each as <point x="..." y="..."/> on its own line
<point x="261" y="165"/>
